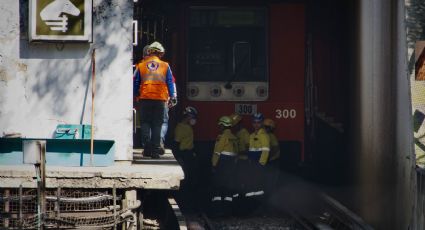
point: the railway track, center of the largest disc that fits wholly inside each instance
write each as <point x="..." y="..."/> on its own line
<point x="328" y="214"/>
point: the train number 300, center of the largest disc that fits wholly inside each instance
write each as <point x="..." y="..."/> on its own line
<point x="286" y="113"/>
<point x="245" y="109"/>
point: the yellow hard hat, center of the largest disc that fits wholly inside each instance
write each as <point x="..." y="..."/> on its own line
<point x="269" y="122"/>
<point x="236" y="118"/>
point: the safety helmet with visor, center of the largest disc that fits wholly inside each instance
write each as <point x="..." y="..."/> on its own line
<point x="225" y="121"/>
<point x="190" y="111"/>
<point x="257" y="118"/>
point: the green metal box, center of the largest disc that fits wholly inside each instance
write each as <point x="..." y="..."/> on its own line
<point x="71" y="131"/>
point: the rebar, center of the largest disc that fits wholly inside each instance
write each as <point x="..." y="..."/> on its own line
<point x="65" y="208"/>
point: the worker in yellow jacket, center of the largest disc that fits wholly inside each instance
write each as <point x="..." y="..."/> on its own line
<point x="258" y="155"/>
<point x="242" y="164"/>
<point x="223" y="164"/>
<point x="259" y="141"/>
<point x="242" y="134"/>
<point x="183" y="147"/>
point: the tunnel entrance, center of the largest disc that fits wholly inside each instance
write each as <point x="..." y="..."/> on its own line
<point x="323" y="104"/>
<point x="321" y="58"/>
<point x="297" y="58"/>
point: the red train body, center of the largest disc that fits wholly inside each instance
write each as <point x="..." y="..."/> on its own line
<point x="286" y="59"/>
<point x="283" y="84"/>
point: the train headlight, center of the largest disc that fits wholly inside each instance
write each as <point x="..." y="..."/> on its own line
<point x="193" y="91"/>
<point x="215" y="91"/>
<point x="261" y="91"/>
<point x="238" y="91"/>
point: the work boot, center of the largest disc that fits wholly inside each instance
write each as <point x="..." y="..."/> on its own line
<point x="161" y="151"/>
<point x="155" y="153"/>
<point x="147" y="151"/>
<point x="162" y="148"/>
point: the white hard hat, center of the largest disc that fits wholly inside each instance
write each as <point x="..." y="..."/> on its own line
<point x="156" y="47"/>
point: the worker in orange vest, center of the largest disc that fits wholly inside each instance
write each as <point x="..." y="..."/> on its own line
<point x="154" y="88"/>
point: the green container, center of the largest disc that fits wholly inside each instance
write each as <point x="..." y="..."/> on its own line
<point x="70" y="131"/>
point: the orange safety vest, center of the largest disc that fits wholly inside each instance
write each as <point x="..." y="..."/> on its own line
<point x="153" y="73"/>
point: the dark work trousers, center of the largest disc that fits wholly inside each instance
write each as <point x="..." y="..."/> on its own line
<point x="243" y="185"/>
<point x="151" y="119"/>
<point x="272" y="176"/>
<point x="255" y="173"/>
<point x="190" y="168"/>
<point x="224" y="185"/>
<point x="242" y="180"/>
<point x="164" y="127"/>
<point x="224" y="175"/>
<point x="188" y="189"/>
<point x="253" y="176"/>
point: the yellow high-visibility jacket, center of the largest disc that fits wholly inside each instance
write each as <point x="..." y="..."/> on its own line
<point x="274" y="147"/>
<point x="260" y="142"/>
<point x="226" y="144"/>
<point x="183" y="134"/>
<point x="243" y="141"/>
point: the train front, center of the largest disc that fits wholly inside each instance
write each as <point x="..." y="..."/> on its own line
<point x="245" y="59"/>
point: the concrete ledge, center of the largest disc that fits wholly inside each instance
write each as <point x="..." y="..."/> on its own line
<point x="144" y="176"/>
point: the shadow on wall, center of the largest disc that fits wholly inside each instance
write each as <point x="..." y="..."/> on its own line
<point x="65" y="65"/>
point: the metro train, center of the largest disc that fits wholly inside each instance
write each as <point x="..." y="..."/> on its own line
<point x="243" y="57"/>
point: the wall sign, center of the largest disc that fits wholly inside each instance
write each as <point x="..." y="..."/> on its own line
<point x="60" y="20"/>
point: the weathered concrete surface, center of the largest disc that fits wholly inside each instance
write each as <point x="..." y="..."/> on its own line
<point x="45" y="84"/>
<point x="381" y="121"/>
<point x="146" y="176"/>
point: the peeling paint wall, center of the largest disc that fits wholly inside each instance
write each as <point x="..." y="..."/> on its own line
<point x="45" y="84"/>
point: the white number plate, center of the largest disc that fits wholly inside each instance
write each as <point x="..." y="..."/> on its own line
<point x="245" y="109"/>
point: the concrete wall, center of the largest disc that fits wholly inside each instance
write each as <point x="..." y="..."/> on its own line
<point x="381" y="137"/>
<point x="42" y="85"/>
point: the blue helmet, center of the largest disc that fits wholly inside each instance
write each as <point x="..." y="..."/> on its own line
<point x="190" y="111"/>
<point x="258" y="117"/>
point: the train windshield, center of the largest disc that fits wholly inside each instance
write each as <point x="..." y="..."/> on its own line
<point x="227" y="45"/>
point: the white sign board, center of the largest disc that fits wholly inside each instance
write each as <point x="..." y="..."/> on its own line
<point x="245" y="109"/>
<point x="60" y="20"/>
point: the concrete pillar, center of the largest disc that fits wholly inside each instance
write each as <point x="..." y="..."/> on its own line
<point x="381" y="118"/>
